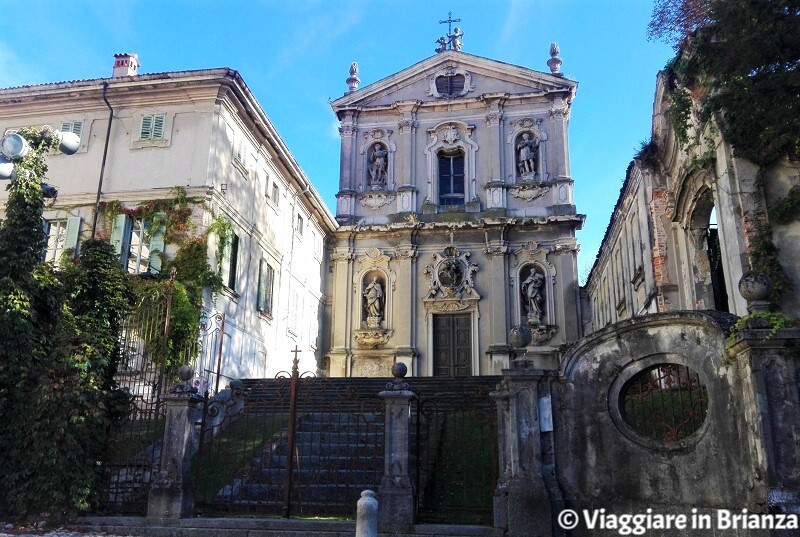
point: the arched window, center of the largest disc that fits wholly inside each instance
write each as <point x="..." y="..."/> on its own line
<point x="451" y="178"/>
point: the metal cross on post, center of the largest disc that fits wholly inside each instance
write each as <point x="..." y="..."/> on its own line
<point x="450" y="20"/>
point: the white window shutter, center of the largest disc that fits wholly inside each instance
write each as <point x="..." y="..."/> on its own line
<point x="72" y="234"/>
<point x="158" y="126"/>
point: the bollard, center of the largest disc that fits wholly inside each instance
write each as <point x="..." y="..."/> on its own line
<point x="367" y="515"/>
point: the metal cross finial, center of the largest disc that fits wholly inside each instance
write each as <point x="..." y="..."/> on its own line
<point x="450" y="20"/>
<point x="296" y="351"/>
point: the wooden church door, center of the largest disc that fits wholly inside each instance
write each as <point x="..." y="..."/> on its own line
<point x="452" y="345"/>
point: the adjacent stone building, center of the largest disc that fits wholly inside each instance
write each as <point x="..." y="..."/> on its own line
<point x="456" y="216"/>
<point x="202" y="131"/>
<point x="684" y="228"/>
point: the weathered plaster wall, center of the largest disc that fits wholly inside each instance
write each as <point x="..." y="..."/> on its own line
<point x="601" y="462"/>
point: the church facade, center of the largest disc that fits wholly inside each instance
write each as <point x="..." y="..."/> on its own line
<point x="456" y="219"/>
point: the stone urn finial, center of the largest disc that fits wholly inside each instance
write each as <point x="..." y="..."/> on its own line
<point x="554" y="63"/>
<point x="353" y="81"/>
<point x="755" y="287"/>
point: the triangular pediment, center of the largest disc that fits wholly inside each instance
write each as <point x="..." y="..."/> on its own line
<point x="481" y="76"/>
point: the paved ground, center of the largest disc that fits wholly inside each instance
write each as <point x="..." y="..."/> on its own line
<point x="6" y="530"/>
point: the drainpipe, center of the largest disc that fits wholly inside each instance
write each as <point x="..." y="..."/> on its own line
<point x="103" y="165"/>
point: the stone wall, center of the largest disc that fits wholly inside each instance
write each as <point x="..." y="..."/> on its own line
<point x="603" y="462"/>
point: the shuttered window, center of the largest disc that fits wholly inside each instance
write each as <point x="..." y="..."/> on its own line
<point x="230" y="256"/>
<point x="450" y="86"/>
<point x="62" y="236"/>
<point x="152" y="127"/>
<point x="451" y="178"/>
<point x="266" y="280"/>
<point x="75" y="127"/>
<point x="139" y="251"/>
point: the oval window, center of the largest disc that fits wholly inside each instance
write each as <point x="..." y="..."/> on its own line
<point x="666" y="402"/>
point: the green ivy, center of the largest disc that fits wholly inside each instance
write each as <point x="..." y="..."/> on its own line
<point x="58" y="401"/>
<point x="647" y="154"/>
<point x="787" y="209"/>
<point x="773" y="321"/>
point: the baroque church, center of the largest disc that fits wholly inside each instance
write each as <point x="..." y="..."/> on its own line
<point x="456" y="218"/>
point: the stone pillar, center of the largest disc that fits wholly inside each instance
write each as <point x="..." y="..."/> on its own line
<point x="528" y="498"/>
<point x="396" y="507"/>
<point x="498" y="350"/>
<point x="172" y="491"/>
<point x="768" y="364"/>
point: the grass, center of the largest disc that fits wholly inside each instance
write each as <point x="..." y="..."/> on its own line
<point x="229" y="455"/>
<point x="134" y="437"/>
<point x="666" y="415"/>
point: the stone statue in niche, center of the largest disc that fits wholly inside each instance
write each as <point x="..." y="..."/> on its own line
<point x="526" y="155"/>
<point x="377" y="167"/>
<point x="533" y="296"/>
<point x="373" y="303"/>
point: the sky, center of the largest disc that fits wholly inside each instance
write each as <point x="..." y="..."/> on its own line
<point x="294" y="56"/>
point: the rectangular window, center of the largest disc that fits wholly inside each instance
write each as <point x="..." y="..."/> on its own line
<point x="137" y="246"/>
<point x="266" y="279"/>
<point x="152" y="127"/>
<point x="299" y="227"/>
<point x="62" y="236"/>
<point x="75" y="127"/>
<point x="276" y="193"/>
<point x="451" y="179"/>
<point x="230" y="256"/>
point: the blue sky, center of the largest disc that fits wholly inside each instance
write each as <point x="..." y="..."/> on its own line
<point x="294" y="56"/>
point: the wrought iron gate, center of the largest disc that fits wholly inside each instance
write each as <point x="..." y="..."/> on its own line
<point x="135" y="450"/>
<point x="298" y="446"/>
<point x="455" y="448"/>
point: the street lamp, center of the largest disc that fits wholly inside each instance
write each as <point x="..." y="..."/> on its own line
<point x="15" y="147"/>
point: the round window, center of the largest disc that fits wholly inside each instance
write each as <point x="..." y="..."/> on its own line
<point x="665" y="402"/>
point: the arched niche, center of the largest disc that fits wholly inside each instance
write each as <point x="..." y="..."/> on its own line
<point x="377" y="146"/>
<point x="535" y="300"/>
<point x="527" y="138"/>
<point x="704" y="264"/>
<point x="373" y="298"/>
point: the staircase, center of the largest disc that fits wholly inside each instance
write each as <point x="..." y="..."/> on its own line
<point x="337" y="455"/>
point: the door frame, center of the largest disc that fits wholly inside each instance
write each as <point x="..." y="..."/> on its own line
<point x="429" y="344"/>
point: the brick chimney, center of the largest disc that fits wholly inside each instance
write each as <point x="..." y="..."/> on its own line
<point x="125" y="65"/>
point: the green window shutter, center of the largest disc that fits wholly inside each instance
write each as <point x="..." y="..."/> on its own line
<point x="73" y="126"/>
<point x="158" y="127"/>
<point x="268" y="294"/>
<point x="233" y="262"/>
<point x="225" y="263"/>
<point x="156" y="246"/>
<point x="72" y="234"/>
<point x="146" y="132"/>
<point x="118" y="232"/>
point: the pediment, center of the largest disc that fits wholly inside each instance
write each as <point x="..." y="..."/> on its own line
<point x="475" y="76"/>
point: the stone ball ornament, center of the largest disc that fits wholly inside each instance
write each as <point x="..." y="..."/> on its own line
<point x="520" y="336"/>
<point x="755" y="286"/>
<point x="399" y="370"/>
<point x="185" y="373"/>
